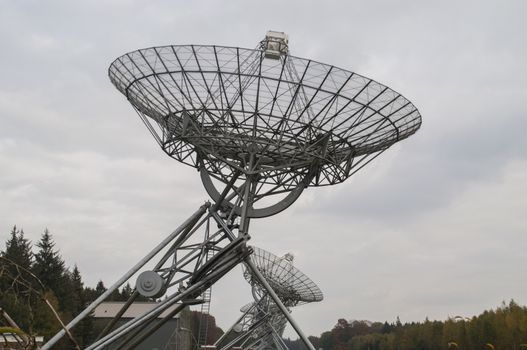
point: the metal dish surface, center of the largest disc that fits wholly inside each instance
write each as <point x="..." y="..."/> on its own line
<point x="303" y="122"/>
<point x="291" y="285"/>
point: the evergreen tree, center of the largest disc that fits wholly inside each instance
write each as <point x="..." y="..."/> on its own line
<point x="78" y="289"/>
<point x="127" y="291"/>
<point x="100" y="288"/>
<point x="49" y="266"/>
<point x="18" y="265"/>
<point x="44" y="322"/>
<point x="84" y="331"/>
<point x="18" y="249"/>
<point x="15" y="294"/>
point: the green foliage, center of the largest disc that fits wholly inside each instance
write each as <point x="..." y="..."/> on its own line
<point x="18" y="309"/>
<point x="49" y="266"/>
<point x="503" y="328"/>
<point x="11" y="330"/>
<point x="28" y="282"/>
<point x="23" y="297"/>
<point x="44" y="322"/>
<point x="18" y="249"/>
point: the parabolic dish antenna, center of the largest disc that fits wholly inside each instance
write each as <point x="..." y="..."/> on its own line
<point x="285" y="121"/>
<point x="262" y="323"/>
<point x="291" y="285"/>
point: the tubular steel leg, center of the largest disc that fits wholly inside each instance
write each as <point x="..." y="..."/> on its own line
<point x="231" y="328"/>
<point x="279" y="341"/>
<point x="191" y="291"/>
<point x="135" y="294"/>
<point x="278" y="302"/>
<point x="148" y="332"/>
<point x="155" y="327"/>
<point x="131" y="325"/>
<point x="243" y="336"/>
<point x="125" y="277"/>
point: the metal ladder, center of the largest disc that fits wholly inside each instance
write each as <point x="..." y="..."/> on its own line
<point x="205" y="311"/>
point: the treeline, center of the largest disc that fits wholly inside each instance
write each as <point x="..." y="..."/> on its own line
<point x="499" y="329"/>
<point x="24" y="298"/>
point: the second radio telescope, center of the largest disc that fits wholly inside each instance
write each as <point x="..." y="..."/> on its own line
<point x="291" y="285"/>
<point x="262" y="323"/>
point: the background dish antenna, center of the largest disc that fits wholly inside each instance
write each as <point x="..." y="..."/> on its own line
<point x="262" y="323"/>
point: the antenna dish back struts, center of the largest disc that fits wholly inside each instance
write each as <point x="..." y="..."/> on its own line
<point x="261" y="126"/>
<point x="291" y="285"/>
<point x="286" y="123"/>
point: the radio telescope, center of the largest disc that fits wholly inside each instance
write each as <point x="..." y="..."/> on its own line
<point x="261" y="126"/>
<point x="291" y="285"/>
<point x="262" y="323"/>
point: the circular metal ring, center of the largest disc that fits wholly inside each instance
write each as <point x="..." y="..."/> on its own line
<point x="149" y="284"/>
<point x="283" y="204"/>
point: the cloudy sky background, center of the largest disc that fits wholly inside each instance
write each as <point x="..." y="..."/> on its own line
<point x="435" y="227"/>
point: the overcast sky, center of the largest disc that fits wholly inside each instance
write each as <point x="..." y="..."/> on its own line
<point x="435" y="227"/>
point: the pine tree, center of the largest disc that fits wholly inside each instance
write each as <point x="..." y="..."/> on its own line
<point x="14" y="292"/>
<point x="78" y="290"/>
<point x="18" y="263"/>
<point x="100" y="288"/>
<point x="84" y="331"/>
<point x="127" y="291"/>
<point x="49" y="266"/>
<point x="18" y="249"/>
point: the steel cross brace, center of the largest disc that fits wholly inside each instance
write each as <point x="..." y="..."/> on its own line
<point x="259" y="320"/>
<point x="188" y="270"/>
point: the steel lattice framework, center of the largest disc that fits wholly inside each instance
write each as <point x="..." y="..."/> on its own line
<point x="262" y="323"/>
<point x="262" y="327"/>
<point x="308" y="123"/>
<point x="291" y="285"/>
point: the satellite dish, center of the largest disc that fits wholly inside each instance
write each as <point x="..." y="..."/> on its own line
<point x="262" y="320"/>
<point x="285" y="122"/>
<point x="291" y="285"/>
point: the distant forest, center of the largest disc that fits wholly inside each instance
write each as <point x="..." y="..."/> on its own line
<point x="504" y="328"/>
<point x="23" y="298"/>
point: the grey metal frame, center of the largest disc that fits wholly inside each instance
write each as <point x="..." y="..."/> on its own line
<point x="306" y="123"/>
<point x="261" y="126"/>
<point x="186" y="273"/>
<point x="263" y="322"/>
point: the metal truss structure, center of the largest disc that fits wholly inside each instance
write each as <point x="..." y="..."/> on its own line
<point x="260" y="125"/>
<point x="260" y="327"/>
<point x="262" y="324"/>
<point x="283" y="123"/>
<point x="292" y="285"/>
